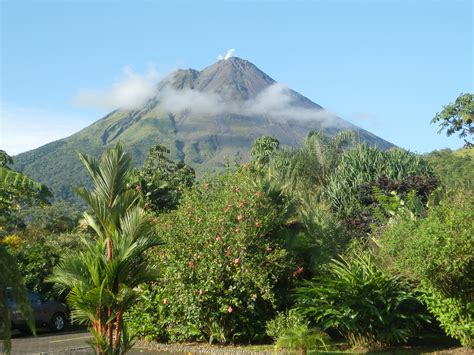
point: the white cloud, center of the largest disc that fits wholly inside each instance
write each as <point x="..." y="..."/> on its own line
<point x="131" y="92"/>
<point x="26" y="128"/>
<point x="277" y="101"/>
<point x="229" y="54"/>
<point x="202" y="103"/>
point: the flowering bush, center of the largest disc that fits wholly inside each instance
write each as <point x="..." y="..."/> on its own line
<point x="222" y="265"/>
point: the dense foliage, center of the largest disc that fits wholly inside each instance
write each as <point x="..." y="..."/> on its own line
<point x="16" y="191"/>
<point x="437" y="253"/>
<point x="457" y="117"/>
<point x="222" y="267"/>
<point x="365" y="304"/>
<point x="161" y="181"/>
<point x="364" y="164"/>
<point x="454" y="168"/>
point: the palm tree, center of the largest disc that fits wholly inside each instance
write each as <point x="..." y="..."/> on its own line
<point x="102" y="278"/>
<point x="305" y="170"/>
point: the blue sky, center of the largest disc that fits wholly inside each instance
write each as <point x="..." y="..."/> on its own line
<point x="387" y="66"/>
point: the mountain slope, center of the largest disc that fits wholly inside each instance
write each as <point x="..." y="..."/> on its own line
<point x="204" y="117"/>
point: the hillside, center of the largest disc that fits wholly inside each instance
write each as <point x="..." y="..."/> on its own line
<point x="204" y="117"/>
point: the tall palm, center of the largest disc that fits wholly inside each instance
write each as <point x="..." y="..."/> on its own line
<point x="103" y="277"/>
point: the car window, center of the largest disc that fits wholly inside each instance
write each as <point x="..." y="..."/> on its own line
<point x="35" y="299"/>
<point x="10" y="302"/>
<point x="9" y="294"/>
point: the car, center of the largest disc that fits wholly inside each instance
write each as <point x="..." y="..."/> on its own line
<point x="46" y="313"/>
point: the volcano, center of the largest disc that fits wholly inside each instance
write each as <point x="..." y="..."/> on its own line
<point x="206" y="118"/>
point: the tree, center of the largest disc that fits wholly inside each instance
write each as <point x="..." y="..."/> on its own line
<point x="263" y="149"/>
<point x="161" y="181"/>
<point x="101" y="280"/>
<point x="457" y="117"/>
<point x="17" y="191"/>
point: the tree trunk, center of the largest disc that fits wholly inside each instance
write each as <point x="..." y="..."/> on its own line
<point x="117" y="327"/>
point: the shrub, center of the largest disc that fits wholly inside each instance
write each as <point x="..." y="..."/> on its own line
<point x="291" y="332"/>
<point x="365" y="164"/>
<point x="302" y="338"/>
<point x="321" y="239"/>
<point x="147" y="317"/>
<point x="436" y="252"/>
<point x="38" y="255"/>
<point x="222" y="266"/>
<point x="284" y="321"/>
<point x="367" y="306"/>
<point x="36" y="263"/>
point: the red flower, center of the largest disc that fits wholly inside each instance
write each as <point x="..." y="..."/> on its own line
<point x="227" y="253"/>
<point x="257" y="224"/>
<point x="269" y="249"/>
<point x="190" y="264"/>
<point x="230" y="309"/>
<point x="298" y="271"/>
<point x="206" y="185"/>
<point x="218" y="237"/>
<point x="241" y="204"/>
<point x="165" y="301"/>
<point x="236" y="261"/>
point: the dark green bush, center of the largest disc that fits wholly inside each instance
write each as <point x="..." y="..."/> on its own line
<point x="36" y="263"/>
<point x="148" y="317"/>
<point x="437" y="253"/>
<point x="366" y="305"/>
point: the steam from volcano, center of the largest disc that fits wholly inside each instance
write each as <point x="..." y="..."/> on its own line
<point x="229" y="54"/>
